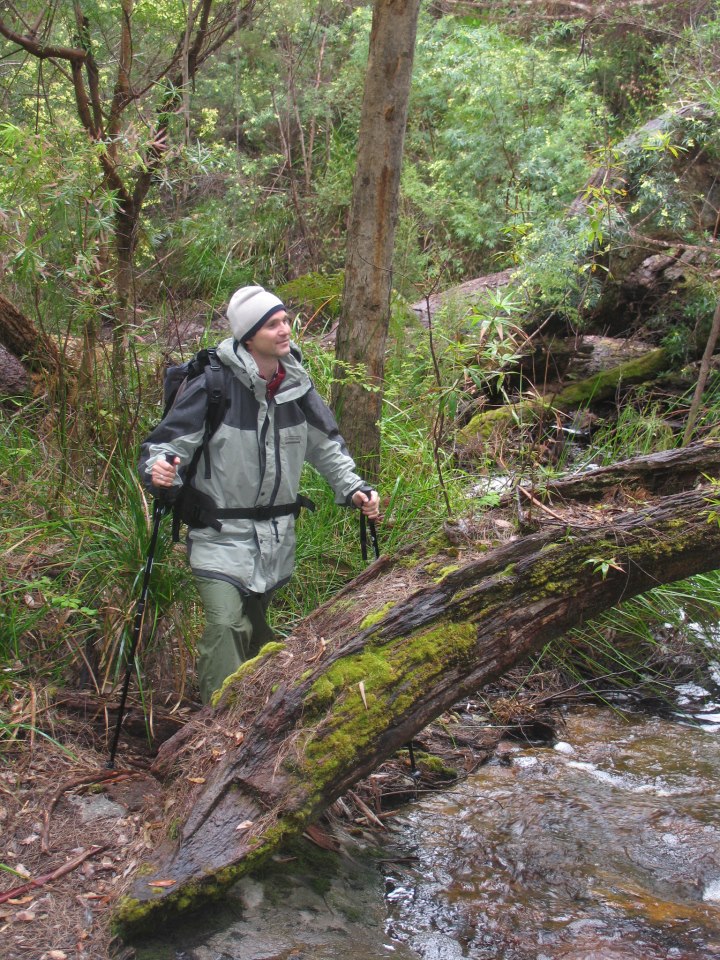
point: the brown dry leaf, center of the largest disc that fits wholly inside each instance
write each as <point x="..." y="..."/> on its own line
<point x="196" y="779"/>
<point x="54" y="955"/>
<point x="20" y="901"/>
<point x="25" y="916"/>
<point x="161" y="883"/>
<point x="245" y="825"/>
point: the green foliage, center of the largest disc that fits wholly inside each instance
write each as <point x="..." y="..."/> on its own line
<point x="647" y="644"/>
<point x="317" y="295"/>
<point x="484" y="104"/>
<point x="73" y="596"/>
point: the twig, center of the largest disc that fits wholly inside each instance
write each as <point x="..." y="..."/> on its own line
<point x="53" y="875"/>
<point x="366" y="811"/>
<point x="532" y="499"/>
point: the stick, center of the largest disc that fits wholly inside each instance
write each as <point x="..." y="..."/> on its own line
<point x="542" y="506"/>
<point x="53" y="875"/>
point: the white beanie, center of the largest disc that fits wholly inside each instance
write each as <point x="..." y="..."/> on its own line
<point x="248" y="310"/>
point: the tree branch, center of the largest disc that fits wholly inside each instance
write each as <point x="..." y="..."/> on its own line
<point x="43" y="51"/>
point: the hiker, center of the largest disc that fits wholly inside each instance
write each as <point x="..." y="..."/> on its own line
<point x="243" y="546"/>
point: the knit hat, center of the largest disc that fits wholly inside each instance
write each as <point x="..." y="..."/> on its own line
<point x="248" y="310"/>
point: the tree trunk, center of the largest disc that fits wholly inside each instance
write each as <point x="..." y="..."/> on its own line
<point x="363" y="325"/>
<point x="703" y="375"/>
<point x="23" y="339"/>
<point x="658" y="473"/>
<point x="405" y="641"/>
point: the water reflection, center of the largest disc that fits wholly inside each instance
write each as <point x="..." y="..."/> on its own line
<point x="607" y="846"/>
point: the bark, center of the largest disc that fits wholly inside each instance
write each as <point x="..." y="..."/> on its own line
<point x="405" y="641"/>
<point x="659" y="473"/>
<point x="362" y="330"/>
<point x="703" y="374"/>
<point x="20" y="336"/>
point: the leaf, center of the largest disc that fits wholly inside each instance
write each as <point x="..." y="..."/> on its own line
<point x="196" y="779"/>
<point x="361" y="687"/>
<point x="25" y="916"/>
<point x="161" y="883"/>
<point x="245" y="825"/>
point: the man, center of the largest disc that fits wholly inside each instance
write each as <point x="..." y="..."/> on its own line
<point x="275" y="420"/>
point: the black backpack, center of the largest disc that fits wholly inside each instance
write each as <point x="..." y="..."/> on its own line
<point x="184" y="503"/>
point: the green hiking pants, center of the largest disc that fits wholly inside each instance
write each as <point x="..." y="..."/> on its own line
<point x="235" y="630"/>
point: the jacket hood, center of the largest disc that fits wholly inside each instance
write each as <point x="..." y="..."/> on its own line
<point x="242" y="363"/>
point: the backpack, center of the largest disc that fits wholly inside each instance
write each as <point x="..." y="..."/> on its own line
<point x="188" y="504"/>
<point x="182" y="503"/>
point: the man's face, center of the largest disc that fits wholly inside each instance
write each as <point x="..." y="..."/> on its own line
<point x="273" y="338"/>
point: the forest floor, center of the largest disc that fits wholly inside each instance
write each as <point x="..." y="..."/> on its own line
<point x="74" y="831"/>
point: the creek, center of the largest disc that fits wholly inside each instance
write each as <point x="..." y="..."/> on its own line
<point x="604" y="846"/>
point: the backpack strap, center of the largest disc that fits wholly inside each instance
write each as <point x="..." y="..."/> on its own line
<point x="217" y="403"/>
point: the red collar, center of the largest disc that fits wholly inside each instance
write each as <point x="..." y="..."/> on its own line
<point x="273" y="385"/>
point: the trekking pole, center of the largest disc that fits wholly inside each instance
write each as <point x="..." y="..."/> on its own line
<point x="158" y="512"/>
<point x="366" y="524"/>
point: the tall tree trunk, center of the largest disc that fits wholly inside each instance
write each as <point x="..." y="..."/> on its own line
<point x="362" y="330"/>
<point x="405" y="641"/>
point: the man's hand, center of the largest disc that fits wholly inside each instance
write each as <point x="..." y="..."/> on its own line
<point x="368" y="503"/>
<point x="163" y="471"/>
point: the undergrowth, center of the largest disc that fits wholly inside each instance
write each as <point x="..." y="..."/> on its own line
<point x="73" y="548"/>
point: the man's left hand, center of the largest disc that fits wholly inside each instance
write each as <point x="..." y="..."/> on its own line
<point x="369" y="503"/>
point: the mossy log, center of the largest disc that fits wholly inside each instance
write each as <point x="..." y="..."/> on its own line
<point x="601" y="386"/>
<point x="398" y="646"/>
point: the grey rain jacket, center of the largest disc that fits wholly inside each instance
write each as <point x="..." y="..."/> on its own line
<point x="256" y="457"/>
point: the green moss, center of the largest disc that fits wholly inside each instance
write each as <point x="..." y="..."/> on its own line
<point x="434" y="767"/>
<point x="393" y="679"/>
<point x="601" y="386"/>
<point x="372" y="618"/>
<point x="269" y="650"/>
<point x="318" y="867"/>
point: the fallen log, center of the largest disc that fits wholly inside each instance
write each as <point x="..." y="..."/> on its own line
<point x="391" y="652"/>
<point x="658" y="473"/>
<point x="603" y="385"/>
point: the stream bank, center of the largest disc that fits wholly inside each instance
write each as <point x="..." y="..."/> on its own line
<point x="604" y="845"/>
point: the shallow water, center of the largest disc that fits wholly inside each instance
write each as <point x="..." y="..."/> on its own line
<point x="605" y="846"/>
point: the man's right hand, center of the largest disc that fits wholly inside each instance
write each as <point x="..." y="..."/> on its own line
<point x="163" y="471"/>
